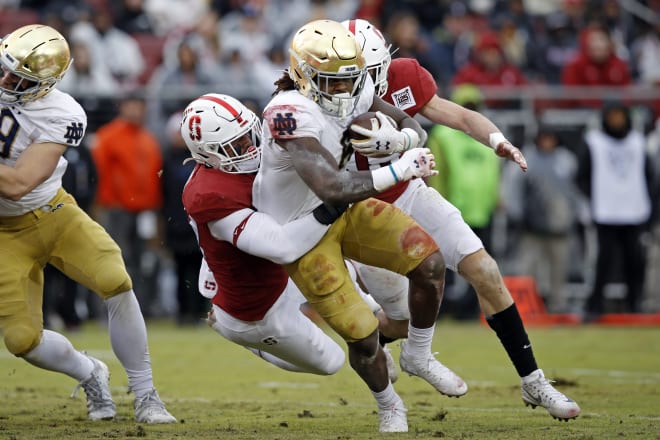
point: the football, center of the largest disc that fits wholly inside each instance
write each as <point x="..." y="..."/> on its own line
<point x="368" y="120"/>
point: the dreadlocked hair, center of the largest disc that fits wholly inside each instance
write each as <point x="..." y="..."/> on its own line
<point x="284" y="83"/>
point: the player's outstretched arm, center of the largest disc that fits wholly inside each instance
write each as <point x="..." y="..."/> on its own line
<point x="445" y="112"/>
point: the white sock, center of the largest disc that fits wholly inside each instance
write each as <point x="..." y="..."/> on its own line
<point x="387" y="398"/>
<point x="128" y="336"/>
<point x="55" y="353"/>
<point x="419" y="341"/>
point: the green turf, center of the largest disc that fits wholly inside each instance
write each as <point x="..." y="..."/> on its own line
<point x="218" y="390"/>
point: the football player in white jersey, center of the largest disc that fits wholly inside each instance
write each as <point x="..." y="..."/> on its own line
<point x="462" y="249"/>
<point x="325" y="87"/>
<point x="41" y="223"/>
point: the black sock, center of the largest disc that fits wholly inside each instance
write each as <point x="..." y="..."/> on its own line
<point x="510" y="330"/>
<point x="382" y="339"/>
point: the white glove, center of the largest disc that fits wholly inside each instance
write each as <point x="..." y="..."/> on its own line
<point x="385" y="140"/>
<point x="418" y="162"/>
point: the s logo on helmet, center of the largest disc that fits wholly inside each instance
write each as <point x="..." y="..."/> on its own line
<point x="195" y="128"/>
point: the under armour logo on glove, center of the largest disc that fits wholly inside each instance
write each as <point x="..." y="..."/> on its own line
<point x="385" y="139"/>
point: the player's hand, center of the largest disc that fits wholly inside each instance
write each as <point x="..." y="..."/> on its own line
<point x="418" y="162"/>
<point x="508" y="151"/>
<point x="384" y="140"/>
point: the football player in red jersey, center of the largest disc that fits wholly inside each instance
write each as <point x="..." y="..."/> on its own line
<point x="404" y="83"/>
<point x="254" y="303"/>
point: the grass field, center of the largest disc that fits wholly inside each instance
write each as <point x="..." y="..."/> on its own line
<point x="218" y="390"/>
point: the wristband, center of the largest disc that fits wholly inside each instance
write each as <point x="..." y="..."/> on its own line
<point x="411" y="139"/>
<point x="384" y="178"/>
<point x="494" y="139"/>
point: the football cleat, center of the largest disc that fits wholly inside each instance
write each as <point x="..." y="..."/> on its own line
<point x="538" y="391"/>
<point x="100" y="405"/>
<point x="431" y="370"/>
<point x="393" y="419"/>
<point x="392" y="372"/>
<point x="150" y="409"/>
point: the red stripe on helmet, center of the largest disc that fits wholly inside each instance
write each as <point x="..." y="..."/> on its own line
<point x="351" y="26"/>
<point x="227" y="107"/>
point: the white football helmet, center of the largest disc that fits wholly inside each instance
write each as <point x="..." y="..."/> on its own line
<point x="375" y="49"/>
<point x="39" y="56"/>
<point x="222" y="133"/>
<point x="322" y="51"/>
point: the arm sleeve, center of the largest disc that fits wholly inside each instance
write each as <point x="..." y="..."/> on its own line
<point x="259" y="234"/>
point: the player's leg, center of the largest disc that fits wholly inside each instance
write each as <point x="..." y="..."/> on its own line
<point x="88" y="255"/>
<point x="463" y="252"/>
<point x="285" y="337"/>
<point x="325" y="281"/>
<point x="21" y="318"/>
<point x="381" y="235"/>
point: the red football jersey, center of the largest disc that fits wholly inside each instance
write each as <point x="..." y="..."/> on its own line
<point x="247" y="285"/>
<point x="410" y="88"/>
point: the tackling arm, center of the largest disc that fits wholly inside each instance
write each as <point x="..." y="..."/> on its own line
<point x="476" y="125"/>
<point x="259" y="234"/>
<point x="32" y="168"/>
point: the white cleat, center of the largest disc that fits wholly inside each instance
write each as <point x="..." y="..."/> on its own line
<point x="538" y="391"/>
<point x="100" y="405"/>
<point x="393" y="419"/>
<point x="392" y="371"/>
<point x="431" y="370"/>
<point x="150" y="409"/>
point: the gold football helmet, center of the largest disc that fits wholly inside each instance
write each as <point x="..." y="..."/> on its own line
<point x="322" y="51"/>
<point x="38" y="56"/>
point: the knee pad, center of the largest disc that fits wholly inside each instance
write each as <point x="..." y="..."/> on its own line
<point x="354" y="323"/>
<point x="112" y="281"/>
<point x="21" y="338"/>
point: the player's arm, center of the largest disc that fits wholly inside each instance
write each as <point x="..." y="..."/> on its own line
<point x="259" y="234"/>
<point x="318" y="168"/>
<point x="402" y="119"/>
<point x="32" y="168"/>
<point x="445" y="112"/>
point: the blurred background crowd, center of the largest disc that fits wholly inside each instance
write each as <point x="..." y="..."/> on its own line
<point x="552" y="74"/>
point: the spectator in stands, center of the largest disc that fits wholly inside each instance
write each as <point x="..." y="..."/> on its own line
<point x="468" y="178"/>
<point x="488" y="66"/>
<point x="176" y="84"/>
<point x="131" y="17"/>
<point x="595" y="64"/>
<point x="86" y="77"/>
<point x="110" y="46"/>
<point x="645" y="50"/>
<point x="174" y="15"/>
<point x="544" y="206"/>
<point x="128" y="160"/>
<point x="555" y="48"/>
<point x="406" y="34"/>
<point x="180" y="239"/>
<point x="616" y="174"/>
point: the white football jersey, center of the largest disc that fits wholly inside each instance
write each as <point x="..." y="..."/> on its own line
<point x="56" y="117"/>
<point x="278" y="189"/>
